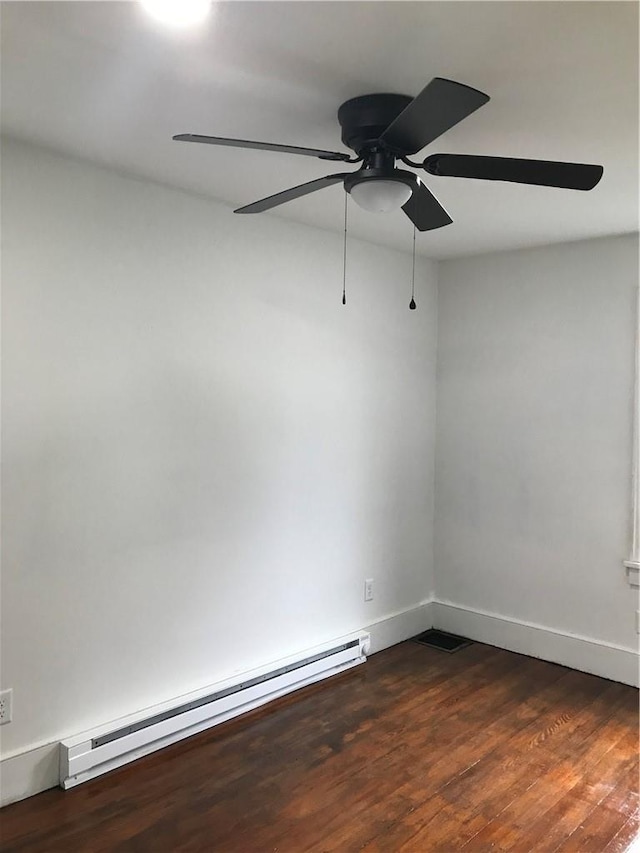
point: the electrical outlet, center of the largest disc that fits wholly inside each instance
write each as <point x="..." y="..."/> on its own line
<point x="6" y="706"/>
<point x="368" y="589"/>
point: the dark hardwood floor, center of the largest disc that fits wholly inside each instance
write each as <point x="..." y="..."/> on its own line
<point x="417" y="750"/>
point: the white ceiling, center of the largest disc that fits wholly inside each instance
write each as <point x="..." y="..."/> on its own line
<point x="101" y="80"/>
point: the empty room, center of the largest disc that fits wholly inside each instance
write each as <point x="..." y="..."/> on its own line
<point x="320" y="426"/>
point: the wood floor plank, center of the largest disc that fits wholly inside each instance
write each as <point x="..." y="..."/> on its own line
<point x="525" y="812"/>
<point x="417" y="751"/>
<point x="625" y="836"/>
<point x="438" y="749"/>
<point x="586" y="797"/>
<point x="473" y="797"/>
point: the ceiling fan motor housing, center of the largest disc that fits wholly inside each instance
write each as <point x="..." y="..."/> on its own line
<point x="363" y="120"/>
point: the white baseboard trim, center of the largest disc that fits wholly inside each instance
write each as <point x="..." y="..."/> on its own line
<point x="400" y="626"/>
<point x="27" y="773"/>
<point x="586" y="654"/>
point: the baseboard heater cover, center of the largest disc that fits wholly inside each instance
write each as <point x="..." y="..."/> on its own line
<point x="96" y="752"/>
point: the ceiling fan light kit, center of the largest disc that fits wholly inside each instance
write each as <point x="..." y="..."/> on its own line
<point x="379" y="194"/>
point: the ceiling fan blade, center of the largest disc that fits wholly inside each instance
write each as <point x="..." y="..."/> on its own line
<point x="424" y="209"/>
<point x="263" y="146"/>
<point x="546" y="173"/>
<point x="291" y="194"/>
<point x="440" y="105"/>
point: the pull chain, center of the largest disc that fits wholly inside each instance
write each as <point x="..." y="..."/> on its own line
<point x="344" y="257"/>
<point x="412" y="304"/>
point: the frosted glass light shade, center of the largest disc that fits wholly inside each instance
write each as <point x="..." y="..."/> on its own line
<point x="178" y="13"/>
<point x="381" y="196"/>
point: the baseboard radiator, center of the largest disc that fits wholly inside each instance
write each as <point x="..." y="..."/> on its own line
<point x="96" y="752"/>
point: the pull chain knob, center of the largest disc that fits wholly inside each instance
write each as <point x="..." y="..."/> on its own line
<point x="412" y="304"/>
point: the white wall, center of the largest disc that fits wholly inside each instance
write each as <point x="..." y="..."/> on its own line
<point x="534" y="437"/>
<point x="204" y="453"/>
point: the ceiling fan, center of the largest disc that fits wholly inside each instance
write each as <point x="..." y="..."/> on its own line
<point x="382" y="129"/>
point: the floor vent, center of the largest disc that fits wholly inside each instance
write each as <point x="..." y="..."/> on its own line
<point x="441" y="640"/>
<point x="89" y="755"/>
